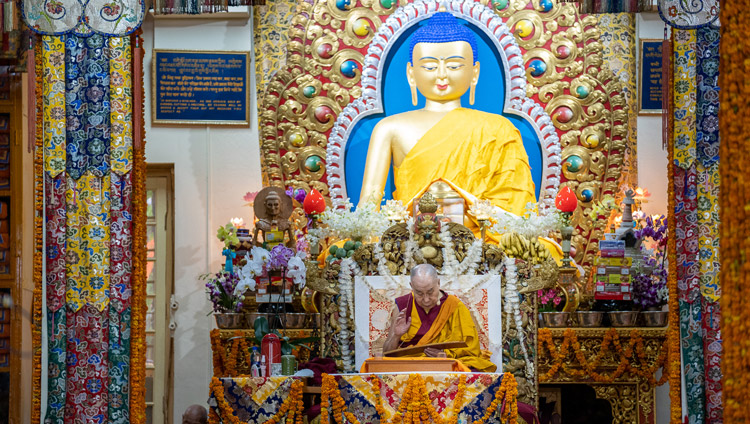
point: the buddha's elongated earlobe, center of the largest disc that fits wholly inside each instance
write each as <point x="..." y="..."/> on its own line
<point x="471" y="93"/>
<point x="414" y="95"/>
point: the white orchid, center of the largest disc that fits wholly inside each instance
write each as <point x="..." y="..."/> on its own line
<point x="244" y="285"/>
<point x="297" y="270"/>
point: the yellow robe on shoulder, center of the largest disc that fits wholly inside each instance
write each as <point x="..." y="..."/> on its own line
<point x="480" y="152"/>
<point x="453" y="323"/>
<point x="481" y="156"/>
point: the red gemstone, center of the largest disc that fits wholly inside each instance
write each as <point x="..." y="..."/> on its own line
<point x="563" y="114"/>
<point x="314" y="203"/>
<point x="566" y="200"/>
<point x="324" y="50"/>
<point x="323" y="114"/>
<point x="563" y="52"/>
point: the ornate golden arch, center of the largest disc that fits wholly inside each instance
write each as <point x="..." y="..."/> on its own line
<point x="576" y="88"/>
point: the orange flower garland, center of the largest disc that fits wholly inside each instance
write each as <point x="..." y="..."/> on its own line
<point x="225" y="363"/>
<point x="292" y="407"/>
<point x="416" y="406"/>
<point x="734" y="198"/>
<point x="227" y="415"/>
<point x="589" y="367"/>
<point x="138" y="281"/>
<point x="37" y="313"/>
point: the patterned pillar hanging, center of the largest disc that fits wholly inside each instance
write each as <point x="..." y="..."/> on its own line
<point x="696" y="182"/>
<point x="87" y="173"/>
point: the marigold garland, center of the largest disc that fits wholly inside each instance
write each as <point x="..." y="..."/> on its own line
<point x="673" y="329"/>
<point x="292" y="407"/>
<point x="37" y="313"/>
<point x="138" y="281"/>
<point x="734" y="198"/>
<point x="416" y="406"/>
<point x="226" y="361"/>
<point x="217" y="390"/>
<point x="589" y="366"/>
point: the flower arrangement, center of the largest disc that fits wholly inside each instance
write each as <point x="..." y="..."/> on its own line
<point x="228" y="235"/>
<point x="281" y="258"/>
<point x="650" y="288"/>
<point x="363" y="223"/>
<point x="225" y="292"/>
<point x="549" y="299"/>
<point x="531" y="225"/>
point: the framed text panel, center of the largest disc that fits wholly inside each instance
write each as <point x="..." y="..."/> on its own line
<point x="650" y="89"/>
<point x="200" y="87"/>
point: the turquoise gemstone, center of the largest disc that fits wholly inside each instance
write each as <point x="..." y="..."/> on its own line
<point x="587" y="195"/>
<point x="387" y="4"/>
<point x="312" y="163"/>
<point x="582" y="91"/>
<point x="500" y="4"/>
<point x="574" y="163"/>
<point x="343" y="4"/>
<point x="545" y="5"/>
<point x="308" y="91"/>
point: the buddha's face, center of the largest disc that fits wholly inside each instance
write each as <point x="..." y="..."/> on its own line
<point x="443" y="71"/>
<point x="273" y="206"/>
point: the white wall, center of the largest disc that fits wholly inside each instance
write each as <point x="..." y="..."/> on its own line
<point x="652" y="170"/>
<point x="214" y="167"/>
<point x="652" y="158"/>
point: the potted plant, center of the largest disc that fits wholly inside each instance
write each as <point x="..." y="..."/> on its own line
<point x="227" y="294"/>
<point x="550" y="300"/>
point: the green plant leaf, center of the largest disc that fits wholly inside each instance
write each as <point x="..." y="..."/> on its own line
<point x="286" y="348"/>
<point x="261" y="328"/>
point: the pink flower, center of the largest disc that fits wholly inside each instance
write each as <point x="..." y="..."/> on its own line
<point x="250" y="196"/>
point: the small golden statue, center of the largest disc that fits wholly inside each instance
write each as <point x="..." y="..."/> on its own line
<point x="273" y="209"/>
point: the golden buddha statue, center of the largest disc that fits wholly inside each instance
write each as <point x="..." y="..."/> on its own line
<point x="479" y="154"/>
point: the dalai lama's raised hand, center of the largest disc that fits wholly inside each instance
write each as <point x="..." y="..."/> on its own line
<point x="402" y="324"/>
<point x="435" y="353"/>
<point x="399" y="326"/>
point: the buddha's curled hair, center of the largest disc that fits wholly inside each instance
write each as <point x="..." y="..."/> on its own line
<point x="443" y="27"/>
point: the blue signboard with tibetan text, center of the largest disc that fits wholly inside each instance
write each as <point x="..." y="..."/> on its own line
<point x="200" y="87"/>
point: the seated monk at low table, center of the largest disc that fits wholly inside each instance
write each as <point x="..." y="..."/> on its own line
<point x="429" y="315"/>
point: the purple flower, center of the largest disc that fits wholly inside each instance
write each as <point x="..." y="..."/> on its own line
<point x="280" y="256"/>
<point x="299" y="195"/>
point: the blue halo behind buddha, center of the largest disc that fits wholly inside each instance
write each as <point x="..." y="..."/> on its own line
<point x="396" y="96"/>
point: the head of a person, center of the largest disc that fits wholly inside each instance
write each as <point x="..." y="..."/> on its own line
<point x="273" y="204"/>
<point x="425" y="285"/>
<point x="195" y="414"/>
<point x="444" y="58"/>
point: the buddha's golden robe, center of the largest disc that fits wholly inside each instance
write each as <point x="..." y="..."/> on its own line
<point x="479" y="152"/>
<point x="453" y="323"/>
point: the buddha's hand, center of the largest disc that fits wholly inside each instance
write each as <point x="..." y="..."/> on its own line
<point x="402" y="324"/>
<point x="435" y="353"/>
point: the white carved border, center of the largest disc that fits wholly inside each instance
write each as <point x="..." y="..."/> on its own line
<point x="516" y="101"/>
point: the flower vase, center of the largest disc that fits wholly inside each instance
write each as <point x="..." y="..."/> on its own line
<point x="227" y="321"/>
